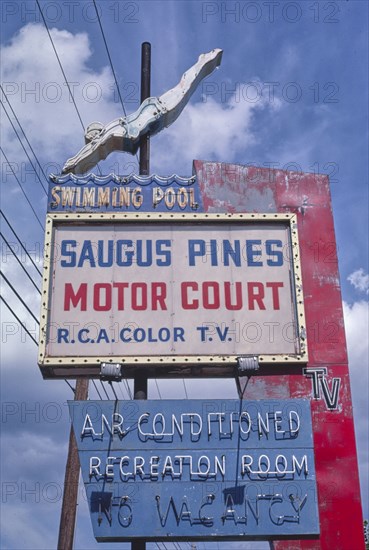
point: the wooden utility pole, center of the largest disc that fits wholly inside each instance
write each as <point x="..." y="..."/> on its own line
<point x="71" y="480"/>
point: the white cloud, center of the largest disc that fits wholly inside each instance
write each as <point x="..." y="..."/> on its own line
<point x="207" y="130"/>
<point x="360" y="280"/>
<point x="33" y="82"/>
<point x="356" y="325"/>
<point x="357" y="330"/>
<point x="39" y="96"/>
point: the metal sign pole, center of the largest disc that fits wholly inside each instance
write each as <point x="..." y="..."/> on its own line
<point x="140" y="380"/>
<point x="71" y="479"/>
<point x="145" y="93"/>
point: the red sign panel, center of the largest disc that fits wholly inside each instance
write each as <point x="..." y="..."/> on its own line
<point x="325" y="379"/>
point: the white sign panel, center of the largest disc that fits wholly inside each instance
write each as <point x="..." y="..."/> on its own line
<point x="172" y="288"/>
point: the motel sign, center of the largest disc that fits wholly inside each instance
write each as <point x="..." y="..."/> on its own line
<point x="184" y="277"/>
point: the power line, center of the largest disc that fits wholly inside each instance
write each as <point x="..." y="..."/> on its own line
<point x="157" y="387"/>
<point x="27" y="331"/>
<point x="18" y="239"/>
<point x="106" y="393"/>
<point x="60" y="65"/>
<point x="63" y="72"/>
<point x="98" y="393"/>
<point x="70" y="385"/>
<point x="128" y="389"/>
<point x="111" y="63"/>
<point x="20" y="263"/>
<point x="109" y="57"/>
<point x="17" y="318"/>
<point x="23" y="132"/>
<point x="121" y="391"/>
<point x="24" y="149"/>
<point x="23" y="191"/>
<point x="19" y="298"/>
<point x="185" y="389"/>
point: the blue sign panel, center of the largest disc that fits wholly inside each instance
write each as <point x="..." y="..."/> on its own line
<point x="194" y="469"/>
<point x="115" y="194"/>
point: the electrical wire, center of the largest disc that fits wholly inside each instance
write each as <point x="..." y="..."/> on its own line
<point x="18" y="239"/>
<point x="121" y="391"/>
<point x="19" y="298"/>
<point x="98" y="393"/>
<point x="128" y="389"/>
<point x="17" y="318"/>
<point x="20" y="263"/>
<point x="111" y="63"/>
<point x="23" y="191"/>
<point x="109" y="57"/>
<point x="23" y="132"/>
<point x="28" y="332"/>
<point x="70" y="385"/>
<point x="106" y="393"/>
<point x="63" y="72"/>
<point x="24" y="149"/>
<point x="185" y="389"/>
<point x="157" y="387"/>
<point x="60" y="65"/>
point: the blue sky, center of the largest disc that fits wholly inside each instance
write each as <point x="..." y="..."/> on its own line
<point x="291" y="92"/>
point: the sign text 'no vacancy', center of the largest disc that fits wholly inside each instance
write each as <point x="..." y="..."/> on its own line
<point x="197" y="469"/>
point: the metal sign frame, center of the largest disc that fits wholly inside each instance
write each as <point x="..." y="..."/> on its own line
<point x="52" y="366"/>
